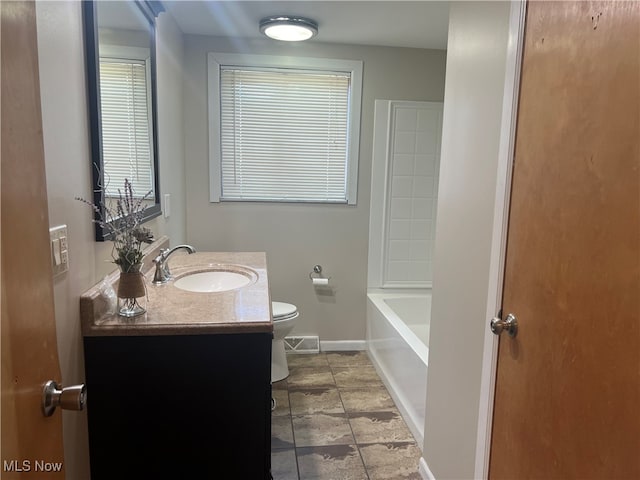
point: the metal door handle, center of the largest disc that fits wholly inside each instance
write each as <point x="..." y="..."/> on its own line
<point x="509" y="324"/>
<point x="67" y="398"/>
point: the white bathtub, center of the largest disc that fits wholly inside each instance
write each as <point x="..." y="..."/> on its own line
<point x="397" y="342"/>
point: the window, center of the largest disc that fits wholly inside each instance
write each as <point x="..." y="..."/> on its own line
<point x="283" y="129"/>
<point x="126" y="119"/>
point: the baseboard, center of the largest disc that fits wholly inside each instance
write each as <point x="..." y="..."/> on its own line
<point x="342" y="345"/>
<point x="424" y="471"/>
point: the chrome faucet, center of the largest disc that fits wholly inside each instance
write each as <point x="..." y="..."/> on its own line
<point x="163" y="274"/>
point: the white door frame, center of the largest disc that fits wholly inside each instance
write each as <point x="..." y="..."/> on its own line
<point x="500" y="224"/>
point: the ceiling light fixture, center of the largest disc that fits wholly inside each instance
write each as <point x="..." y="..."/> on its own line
<point x="287" y="28"/>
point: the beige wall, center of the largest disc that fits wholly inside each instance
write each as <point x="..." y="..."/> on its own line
<point x="298" y="236"/>
<point x="66" y="148"/>
<point x="169" y="52"/>
<point x="478" y="39"/>
<point x="67" y="159"/>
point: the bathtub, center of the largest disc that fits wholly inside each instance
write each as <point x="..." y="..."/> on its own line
<point x="397" y="342"/>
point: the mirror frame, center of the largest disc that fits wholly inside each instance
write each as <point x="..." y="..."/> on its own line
<point x="150" y="10"/>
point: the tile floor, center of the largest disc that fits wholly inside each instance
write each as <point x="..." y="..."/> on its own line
<point x="335" y="420"/>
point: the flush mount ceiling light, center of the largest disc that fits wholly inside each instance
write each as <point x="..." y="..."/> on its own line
<point x="288" y="28"/>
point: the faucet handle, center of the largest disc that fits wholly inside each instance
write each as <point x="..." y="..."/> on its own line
<point x="160" y="276"/>
<point x="161" y="256"/>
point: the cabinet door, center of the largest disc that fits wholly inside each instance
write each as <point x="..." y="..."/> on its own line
<point x="195" y="406"/>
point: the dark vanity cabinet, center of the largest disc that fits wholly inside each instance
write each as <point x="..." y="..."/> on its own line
<point x="179" y="406"/>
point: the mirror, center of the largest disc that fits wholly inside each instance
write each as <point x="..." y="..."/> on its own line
<point x="121" y="76"/>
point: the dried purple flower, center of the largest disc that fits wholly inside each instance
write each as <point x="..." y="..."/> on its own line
<point x="121" y="220"/>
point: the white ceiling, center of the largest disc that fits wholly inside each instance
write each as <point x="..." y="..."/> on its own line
<point x="417" y="24"/>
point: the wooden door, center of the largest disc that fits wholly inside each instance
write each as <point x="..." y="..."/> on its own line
<point x="31" y="443"/>
<point x="567" y="401"/>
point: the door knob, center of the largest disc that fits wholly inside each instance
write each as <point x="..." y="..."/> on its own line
<point x="509" y="324"/>
<point x="67" y="398"/>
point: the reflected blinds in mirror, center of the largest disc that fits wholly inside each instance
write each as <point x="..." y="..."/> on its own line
<point x="284" y="135"/>
<point x="126" y="131"/>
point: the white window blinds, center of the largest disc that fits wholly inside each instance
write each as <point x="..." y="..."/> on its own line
<point x="284" y="134"/>
<point x="126" y="131"/>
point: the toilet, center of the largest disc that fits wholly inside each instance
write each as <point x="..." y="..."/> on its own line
<point x="284" y="315"/>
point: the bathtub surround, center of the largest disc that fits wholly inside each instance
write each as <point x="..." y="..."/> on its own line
<point x="397" y="343"/>
<point x="404" y="190"/>
<point x="404" y="179"/>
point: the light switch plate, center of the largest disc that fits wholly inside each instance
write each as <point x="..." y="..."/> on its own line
<point x="59" y="249"/>
<point x="167" y="205"/>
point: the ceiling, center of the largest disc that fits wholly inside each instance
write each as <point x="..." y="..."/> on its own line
<point x="416" y="24"/>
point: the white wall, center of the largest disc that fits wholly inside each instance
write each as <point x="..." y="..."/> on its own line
<point x="170" y="53"/>
<point x="476" y="62"/>
<point x="298" y="236"/>
<point x="67" y="161"/>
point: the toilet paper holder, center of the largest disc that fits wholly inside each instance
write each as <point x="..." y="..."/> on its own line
<point x="317" y="273"/>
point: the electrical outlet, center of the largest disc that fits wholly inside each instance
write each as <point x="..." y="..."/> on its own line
<point x="59" y="249"/>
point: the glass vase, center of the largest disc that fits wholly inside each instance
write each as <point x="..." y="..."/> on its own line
<point x="132" y="293"/>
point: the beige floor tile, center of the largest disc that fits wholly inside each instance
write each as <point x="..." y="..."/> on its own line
<point x="397" y="461"/>
<point x="282" y="402"/>
<point x="368" y="399"/>
<point x="310" y="377"/>
<point x="379" y="427"/>
<point x="320" y="400"/>
<point x="353" y="377"/>
<point x="322" y="429"/>
<point x="331" y="444"/>
<point x="281" y="385"/>
<point x="284" y="465"/>
<point x="281" y="432"/>
<point x="348" y="359"/>
<point x="334" y="462"/>
<point x="307" y="360"/>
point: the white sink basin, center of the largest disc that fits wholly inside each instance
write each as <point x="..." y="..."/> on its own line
<point x="214" y="281"/>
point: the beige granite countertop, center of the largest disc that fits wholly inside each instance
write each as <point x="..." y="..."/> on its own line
<point x="171" y="311"/>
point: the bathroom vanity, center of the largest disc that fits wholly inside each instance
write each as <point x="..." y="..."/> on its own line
<point x="183" y="391"/>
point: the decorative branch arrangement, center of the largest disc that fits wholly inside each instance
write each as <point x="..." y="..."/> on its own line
<point x="121" y="220"/>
